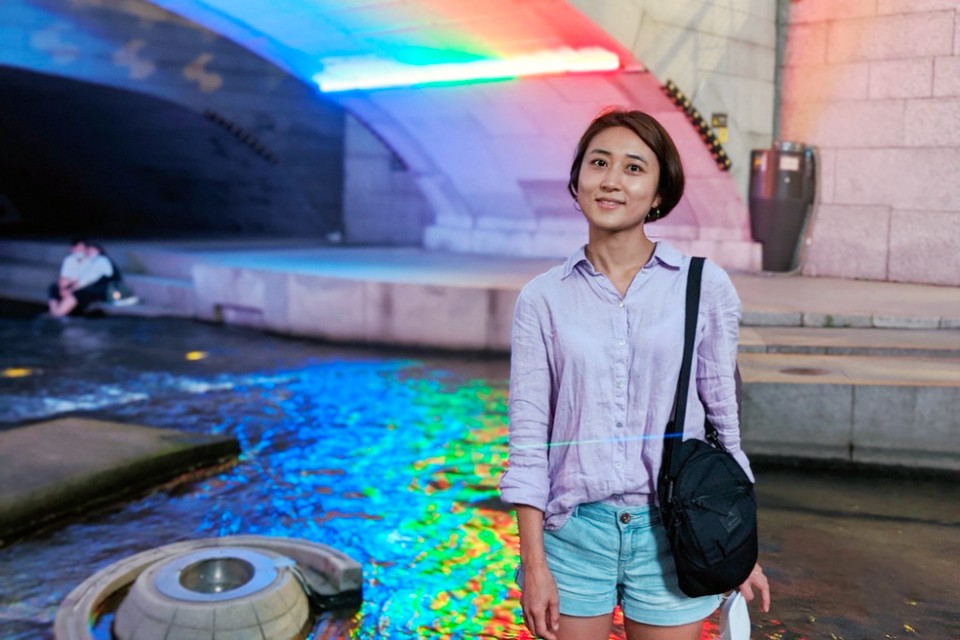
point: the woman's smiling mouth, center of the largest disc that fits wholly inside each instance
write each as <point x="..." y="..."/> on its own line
<point x="608" y="203"/>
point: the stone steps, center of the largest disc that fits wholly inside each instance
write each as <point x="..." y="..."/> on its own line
<point x="869" y="342"/>
<point x="891" y="410"/>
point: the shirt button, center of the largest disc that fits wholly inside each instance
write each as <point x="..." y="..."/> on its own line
<point x="618" y="466"/>
<point x="621" y="304"/>
<point x="625" y="518"/>
<point x="619" y="425"/>
<point x="623" y="342"/>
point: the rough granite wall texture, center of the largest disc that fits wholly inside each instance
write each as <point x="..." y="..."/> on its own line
<point x="875" y="85"/>
<point x="721" y="53"/>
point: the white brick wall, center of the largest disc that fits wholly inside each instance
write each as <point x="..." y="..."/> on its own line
<point x="875" y="85"/>
<point x="933" y="123"/>
<point x="850" y="241"/>
<point x="923" y="246"/>
<point x="888" y="37"/>
<point x="946" y="76"/>
<point x="905" y="78"/>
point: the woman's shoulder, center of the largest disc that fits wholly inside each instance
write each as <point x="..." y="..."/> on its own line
<point x="717" y="287"/>
<point x="714" y="274"/>
<point x="544" y="283"/>
<point x="716" y="284"/>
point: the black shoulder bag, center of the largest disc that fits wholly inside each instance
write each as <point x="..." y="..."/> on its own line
<point x="706" y="499"/>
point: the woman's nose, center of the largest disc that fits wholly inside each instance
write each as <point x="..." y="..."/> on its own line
<point x="609" y="181"/>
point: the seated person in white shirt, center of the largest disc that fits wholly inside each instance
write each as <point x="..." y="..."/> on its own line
<point x="91" y="283"/>
<point x="69" y="273"/>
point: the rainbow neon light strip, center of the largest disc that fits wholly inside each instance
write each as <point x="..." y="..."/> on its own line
<point x="347" y="74"/>
<point x="374" y="44"/>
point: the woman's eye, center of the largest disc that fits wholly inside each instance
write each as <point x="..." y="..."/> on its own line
<point x="634" y="168"/>
<point x="599" y="162"/>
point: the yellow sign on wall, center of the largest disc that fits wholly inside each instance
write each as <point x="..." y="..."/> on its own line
<point x="718" y="122"/>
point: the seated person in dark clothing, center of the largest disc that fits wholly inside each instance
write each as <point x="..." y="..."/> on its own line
<point x="91" y="284"/>
<point x="69" y="273"/>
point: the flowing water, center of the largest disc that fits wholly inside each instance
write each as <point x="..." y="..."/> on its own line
<point x="393" y="458"/>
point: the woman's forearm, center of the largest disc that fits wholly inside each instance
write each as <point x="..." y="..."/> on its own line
<point x="530" y="528"/>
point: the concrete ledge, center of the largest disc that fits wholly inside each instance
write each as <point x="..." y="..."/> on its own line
<point x="415" y="314"/>
<point x="52" y="470"/>
<point x="270" y="284"/>
<point x="865" y="409"/>
<point x="791" y="300"/>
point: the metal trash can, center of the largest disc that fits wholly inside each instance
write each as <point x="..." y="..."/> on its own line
<point x="782" y="189"/>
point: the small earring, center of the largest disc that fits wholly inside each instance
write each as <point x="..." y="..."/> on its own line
<point x="653" y="215"/>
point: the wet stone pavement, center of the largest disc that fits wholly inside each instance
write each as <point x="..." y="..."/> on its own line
<point x="393" y="458"/>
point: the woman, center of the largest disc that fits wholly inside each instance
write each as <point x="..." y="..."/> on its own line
<point x="596" y="351"/>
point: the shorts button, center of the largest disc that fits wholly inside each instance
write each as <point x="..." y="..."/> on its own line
<point x="625" y="518"/>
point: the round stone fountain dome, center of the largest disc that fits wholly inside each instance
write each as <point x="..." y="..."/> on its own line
<point x="250" y="593"/>
<point x="238" y="587"/>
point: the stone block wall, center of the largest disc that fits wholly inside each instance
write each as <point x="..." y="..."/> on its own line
<point x="875" y="86"/>
<point x="381" y="203"/>
<point x="720" y="53"/>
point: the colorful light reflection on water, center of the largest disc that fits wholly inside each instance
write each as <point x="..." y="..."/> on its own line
<point x="392" y="460"/>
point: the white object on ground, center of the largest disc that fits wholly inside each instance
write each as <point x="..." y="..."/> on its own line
<point x="734" y="618"/>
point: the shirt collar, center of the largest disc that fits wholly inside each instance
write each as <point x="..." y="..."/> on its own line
<point x="668" y="255"/>
<point x="663" y="253"/>
<point x="580" y="255"/>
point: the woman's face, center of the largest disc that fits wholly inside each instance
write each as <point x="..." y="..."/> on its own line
<point x="618" y="182"/>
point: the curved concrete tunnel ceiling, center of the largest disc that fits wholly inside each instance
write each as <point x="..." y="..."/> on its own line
<point x="369" y="44"/>
<point x="488" y="157"/>
<point x="130" y="120"/>
<point x="476" y="165"/>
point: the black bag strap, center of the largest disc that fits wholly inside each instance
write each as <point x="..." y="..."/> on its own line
<point x="674" y="433"/>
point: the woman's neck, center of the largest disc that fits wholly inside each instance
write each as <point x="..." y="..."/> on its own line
<point x="620" y="258"/>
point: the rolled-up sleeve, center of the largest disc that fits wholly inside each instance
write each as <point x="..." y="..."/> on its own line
<point x="526" y="480"/>
<point x="717" y="360"/>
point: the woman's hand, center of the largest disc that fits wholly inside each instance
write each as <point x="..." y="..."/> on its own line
<point x="540" y="602"/>
<point x="757" y="580"/>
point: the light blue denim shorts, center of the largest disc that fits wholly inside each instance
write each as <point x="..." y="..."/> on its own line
<point x="605" y="554"/>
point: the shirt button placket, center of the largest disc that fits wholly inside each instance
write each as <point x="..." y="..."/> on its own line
<point x="622" y="377"/>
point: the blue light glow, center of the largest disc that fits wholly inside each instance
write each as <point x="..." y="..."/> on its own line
<point x="374" y="73"/>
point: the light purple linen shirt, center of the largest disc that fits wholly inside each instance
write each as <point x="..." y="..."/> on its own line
<point x="593" y="378"/>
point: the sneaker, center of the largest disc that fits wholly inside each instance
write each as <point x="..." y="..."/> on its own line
<point x="125" y="302"/>
<point x="734" y="618"/>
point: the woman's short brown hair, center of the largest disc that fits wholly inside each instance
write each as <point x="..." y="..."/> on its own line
<point x="670" y="187"/>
